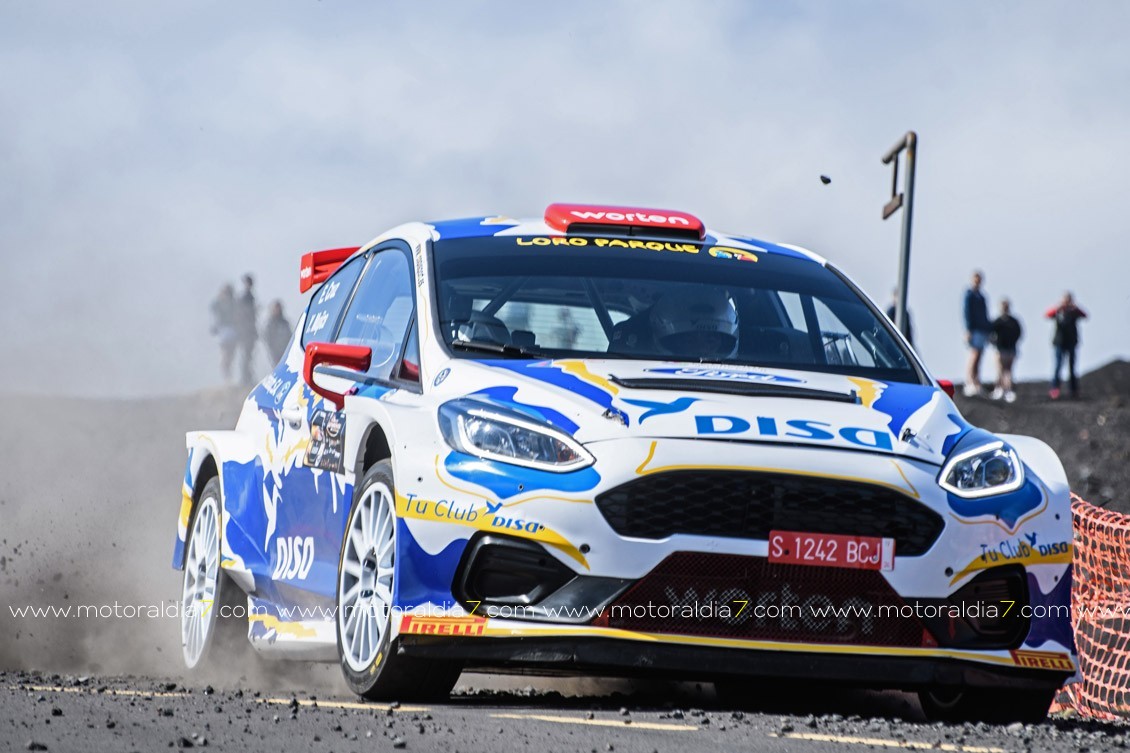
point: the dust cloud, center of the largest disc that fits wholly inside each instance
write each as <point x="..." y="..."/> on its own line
<point x="89" y="496"/>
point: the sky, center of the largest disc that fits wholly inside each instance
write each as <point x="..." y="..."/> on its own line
<point x="152" y="151"/>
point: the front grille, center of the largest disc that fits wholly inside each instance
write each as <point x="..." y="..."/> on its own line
<point x="748" y="505"/>
<point x="732" y="596"/>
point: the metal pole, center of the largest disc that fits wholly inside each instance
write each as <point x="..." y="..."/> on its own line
<point x="910" y="144"/>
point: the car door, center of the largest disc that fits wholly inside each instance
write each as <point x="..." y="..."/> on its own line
<point x="377" y="315"/>
<point x="291" y="538"/>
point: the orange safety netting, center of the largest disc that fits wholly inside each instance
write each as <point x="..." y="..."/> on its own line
<point x="1100" y="611"/>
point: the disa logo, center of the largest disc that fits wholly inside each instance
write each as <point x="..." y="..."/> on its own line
<point x="294" y="556"/>
<point x="817" y="431"/>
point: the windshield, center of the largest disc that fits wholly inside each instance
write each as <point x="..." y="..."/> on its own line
<point x="627" y="298"/>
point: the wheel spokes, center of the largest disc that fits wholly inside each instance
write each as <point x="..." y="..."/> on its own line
<point x="201" y="581"/>
<point x="366" y="578"/>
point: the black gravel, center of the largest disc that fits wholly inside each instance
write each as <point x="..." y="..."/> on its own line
<point x="136" y="713"/>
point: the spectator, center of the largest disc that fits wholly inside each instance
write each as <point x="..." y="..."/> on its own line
<point x="277" y="332"/>
<point x="1006" y="334"/>
<point x="1065" y="340"/>
<point x="977" y="330"/>
<point x="223" y="327"/>
<point x="892" y="309"/>
<point x="246" y="312"/>
<point x="567" y="330"/>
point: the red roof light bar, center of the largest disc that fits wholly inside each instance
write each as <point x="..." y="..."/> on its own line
<point x="564" y="217"/>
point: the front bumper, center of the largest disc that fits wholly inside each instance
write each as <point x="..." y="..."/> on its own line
<point x="564" y="516"/>
<point x="614" y="657"/>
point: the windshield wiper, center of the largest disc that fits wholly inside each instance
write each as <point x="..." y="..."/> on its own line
<point x="730" y="387"/>
<point x="486" y="346"/>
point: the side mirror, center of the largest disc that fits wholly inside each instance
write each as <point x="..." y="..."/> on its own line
<point x="356" y="357"/>
<point x="947" y="386"/>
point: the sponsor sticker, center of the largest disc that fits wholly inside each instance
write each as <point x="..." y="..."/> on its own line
<point x="327" y="441"/>
<point x="1042" y="660"/>
<point x="577" y="242"/>
<point x="699" y="372"/>
<point x="294" y="556"/>
<point x="737" y="254"/>
<point x="457" y="626"/>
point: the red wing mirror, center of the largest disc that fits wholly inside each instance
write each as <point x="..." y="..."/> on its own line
<point x="356" y="357"/>
<point x="409" y="371"/>
<point x="947" y="386"/>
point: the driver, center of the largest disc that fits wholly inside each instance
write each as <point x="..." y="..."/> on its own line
<point x="695" y="321"/>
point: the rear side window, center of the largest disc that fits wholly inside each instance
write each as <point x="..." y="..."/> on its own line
<point x="325" y="307"/>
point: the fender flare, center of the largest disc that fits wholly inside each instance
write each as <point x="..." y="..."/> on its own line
<point x="221" y="447"/>
<point x="368" y="414"/>
<point x="1044" y="462"/>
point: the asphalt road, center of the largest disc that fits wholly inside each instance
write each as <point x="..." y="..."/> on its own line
<point x="124" y="714"/>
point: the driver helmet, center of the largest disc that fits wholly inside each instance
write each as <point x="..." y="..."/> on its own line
<point x="695" y="321"/>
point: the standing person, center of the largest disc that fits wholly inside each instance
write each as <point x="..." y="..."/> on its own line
<point x="1065" y="340"/>
<point x="223" y="327"/>
<point x="566" y="330"/>
<point x="1006" y="334"/>
<point x="277" y="332"/>
<point x="977" y="330"/>
<point x="246" y="312"/>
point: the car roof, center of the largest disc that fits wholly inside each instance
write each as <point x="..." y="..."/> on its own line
<point x="492" y="225"/>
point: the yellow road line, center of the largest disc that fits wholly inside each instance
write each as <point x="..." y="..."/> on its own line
<point x="598" y="722"/>
<point x="885" y="743"/>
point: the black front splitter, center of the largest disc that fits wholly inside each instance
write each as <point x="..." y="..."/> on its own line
<point x="623" y="658"/>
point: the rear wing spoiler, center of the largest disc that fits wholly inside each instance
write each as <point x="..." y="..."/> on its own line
<point x="318" y="265"/>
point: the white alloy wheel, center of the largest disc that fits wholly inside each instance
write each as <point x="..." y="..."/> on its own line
<point x="365" y="578"/>
<point x="201" y="578"/>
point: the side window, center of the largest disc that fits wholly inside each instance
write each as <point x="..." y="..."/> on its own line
<point x="381" y="308"/>
<point x="326" y="305"/>
<point x="840" y="345"/>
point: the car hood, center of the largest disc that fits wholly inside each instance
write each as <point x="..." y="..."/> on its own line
<point x="597" y="400"/>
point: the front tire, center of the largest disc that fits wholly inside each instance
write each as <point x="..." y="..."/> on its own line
<point x="365" y="588"/>
<point x="210" y="627"/>
<point x="982" y="705"/>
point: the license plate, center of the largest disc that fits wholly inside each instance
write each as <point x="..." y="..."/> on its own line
<point x="832" y="550"/>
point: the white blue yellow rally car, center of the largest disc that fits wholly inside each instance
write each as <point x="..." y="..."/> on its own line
<point x="611" y="441"/>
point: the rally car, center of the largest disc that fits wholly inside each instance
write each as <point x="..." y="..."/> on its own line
<point x="610" y="441"/>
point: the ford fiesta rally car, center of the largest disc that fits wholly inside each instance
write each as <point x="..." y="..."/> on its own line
<point x="611" y="441"/>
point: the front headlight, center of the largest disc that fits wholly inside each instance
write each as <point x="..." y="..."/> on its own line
<point x="986" y="470"/>
<point x="481" y="429"/>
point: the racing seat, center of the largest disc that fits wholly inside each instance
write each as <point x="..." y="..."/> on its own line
<point x="633" y="336"/>
<point x="523" y="338"/>
<point x="775" y="345"/>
